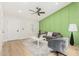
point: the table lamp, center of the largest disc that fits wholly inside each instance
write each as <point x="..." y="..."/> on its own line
<point x="72" y="28"/>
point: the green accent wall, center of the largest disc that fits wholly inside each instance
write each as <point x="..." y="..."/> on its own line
<point x="59" y="21"/>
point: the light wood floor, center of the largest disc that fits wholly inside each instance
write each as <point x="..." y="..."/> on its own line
<point x="16" y="48"/>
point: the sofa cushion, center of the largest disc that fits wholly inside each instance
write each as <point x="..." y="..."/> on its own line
<point x="49" y="34"/>
<point x="57" y="35"/>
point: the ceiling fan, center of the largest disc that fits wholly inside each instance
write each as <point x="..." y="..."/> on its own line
<point x="38" y="11"/>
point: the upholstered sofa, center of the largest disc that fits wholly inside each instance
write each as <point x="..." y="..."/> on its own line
<point x="50" y="35"/>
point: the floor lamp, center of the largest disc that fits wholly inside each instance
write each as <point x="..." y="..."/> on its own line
<point x="72" y="28"/>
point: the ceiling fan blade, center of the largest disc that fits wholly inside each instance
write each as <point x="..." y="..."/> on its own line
<point x="42" y="12"/>
<point x="32" y="10"/>
<point x="38" y="14"/>
<point x="38" y="9"/>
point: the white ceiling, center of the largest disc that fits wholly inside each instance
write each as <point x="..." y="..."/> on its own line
<point x="20" y="10"/>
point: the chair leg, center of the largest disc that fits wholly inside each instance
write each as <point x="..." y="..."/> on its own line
<point x="57" y="53"/>
<point x="62" y="53"/>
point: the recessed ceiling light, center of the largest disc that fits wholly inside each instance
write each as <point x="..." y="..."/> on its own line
<point x="57" y="3"/>
<point x="20" y="11"/>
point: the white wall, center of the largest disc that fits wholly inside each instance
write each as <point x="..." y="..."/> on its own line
<point x="25" y="28"/>
<point x="12" y="20"/>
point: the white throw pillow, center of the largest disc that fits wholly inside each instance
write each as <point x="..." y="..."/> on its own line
<point x="49" y="33"/>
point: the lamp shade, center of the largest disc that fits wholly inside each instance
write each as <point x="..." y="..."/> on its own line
<point x="72" y="27"/>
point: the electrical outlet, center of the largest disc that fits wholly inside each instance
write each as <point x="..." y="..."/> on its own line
<point x="17" y="30"/>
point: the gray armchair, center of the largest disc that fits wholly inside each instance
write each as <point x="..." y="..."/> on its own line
<point x="58" y="45"/>
<point x="56" y="42"/>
